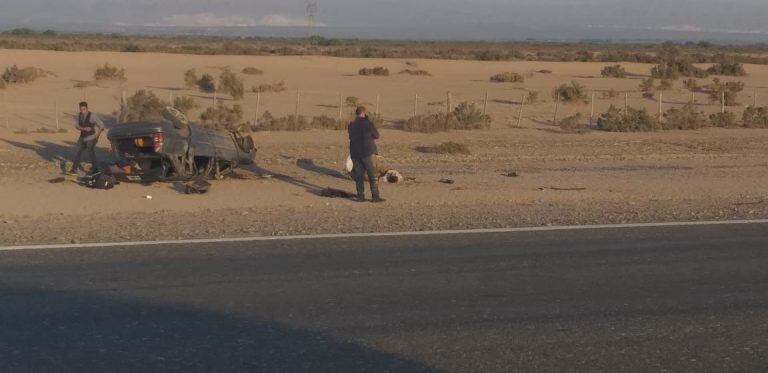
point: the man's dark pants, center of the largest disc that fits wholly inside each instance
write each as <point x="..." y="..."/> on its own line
<point x="83" y="146"/>
<point x="363" y="166"/>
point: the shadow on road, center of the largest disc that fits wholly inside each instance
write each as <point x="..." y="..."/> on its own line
<point x="59" y="330"/>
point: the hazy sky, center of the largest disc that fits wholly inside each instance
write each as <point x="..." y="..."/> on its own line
<point x="708" y="15"/>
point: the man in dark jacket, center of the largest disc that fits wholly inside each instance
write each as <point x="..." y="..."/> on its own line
<point x="90" y="127"/>
<point x="362" y="146"/>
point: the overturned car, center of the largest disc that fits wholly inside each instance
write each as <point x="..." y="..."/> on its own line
<point x="176" y="150"/>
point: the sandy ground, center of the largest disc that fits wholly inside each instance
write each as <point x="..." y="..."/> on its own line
<point x="563" y="178"/>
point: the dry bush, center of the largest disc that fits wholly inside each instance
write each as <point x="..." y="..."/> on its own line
<point x="508" y="77"/>
<point x="185" y="104"/>
<point x="647" y="85"/>
<point x="25" y="75"/>
<point x="727" y="66"/>
<point x="755" y="117"/>
<point x="49" y="130"/>
<point x="288" y="123"/>
<point x="250" y="70"/>
<point x="21" y="131"/>
<point x="83" y="84"/>
<point x="614" y="71"/>
<point x="190" y="78"/>
<point x="415" y="72"/>
<point x="411" y="64"/>
<point x="352" y="102"/>
<point x="470" y="117"/>
<point x="664" y="85"/>
<point x="631" y="120"/>
<point x="464" y="117"/>
<point x="610" y="94"/>
<point x="324" y="122"/>
<point x="574" y="124"/>
<point x="222" y="117"/>
<point x="532" y="97"/>
<point x="691" y="85"/>
<point x="648" y="95"/>
<point x="685" y="118"/>
<point x="275" y="87"/>
<point x="730" y="90"/>
<point x="574" y="92"/>
<point x="142" y="106"/>
<point x="545" y="71"/>
<point x="375" y="71"/>
<point x="229" y="83"/>
<point x="724" y="120"/>
<point x="109" y="72"/>
<point x="449" y="147"/>
<point x="206" y="83"/>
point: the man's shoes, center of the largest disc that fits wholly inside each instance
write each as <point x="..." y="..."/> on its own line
<point x="358" y="199"/>
<point x="378" y="200"/>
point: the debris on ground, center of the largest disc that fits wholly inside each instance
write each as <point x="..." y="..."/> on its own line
<point x="393" y="177"/>
<point x="511" y="174"/>
<point x="386" y="173"/>
<point x="197" y="186"/>
<point x="335" y="193"/>
<point x="57" y="180"/>
<point x="446" y="181"/>
<point x="561" y="189"/>
<point x="147" y="197"/>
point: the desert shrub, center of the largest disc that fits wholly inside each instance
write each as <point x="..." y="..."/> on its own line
<point x="411" y="64"/>
<point x="185" y="104"/>
<point x="206" y="83"/>
<point x="132" y="48"/>
<point x="648" y="95"/>
<point x="24" y="75"/>
<point x="142" y="105"/>
<point x="691" y="84"/>
<point x="229" y="83"/>
<point x="222" y="117"/>
<point x="755" y="117"/>
<point x="416" y="72"/>
<point x="352" y="102"/>
<point x="190" y="78"/>
<point x="631" y="120"/>
<point x="614" y="71"/>
<point x="685" y="118"/>
<point x="730" y="90"/>
<point x="664" y="85"/>
<point x="726" y="120"/>
<point x="573" y="124"/>
<point x="325" y="122"/>
<point x="83" y="84"/>
<point x="647" y="85"/>
<point x="431" y="123"/>
<point x="508" y="77"/>
<point x="375" y="71"/>
<point x="532" y="97"/>
<point x="573" y="92"/>
<point x="449" y="147"/>
<point x="727" y="66"/>
<point x="470" y="117"/>
<point x="674" y="70"/>
<point x="275" y="87"/>
<point x="252" y="71"/>
<point x="109" y="72"/>
<point x="288" y="123"/>
<point x="21" y="131"/>
<point x="610" y="94"/>
<point x="545" y="71"/>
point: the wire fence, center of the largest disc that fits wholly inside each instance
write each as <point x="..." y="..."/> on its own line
<point x="25" y="109"/>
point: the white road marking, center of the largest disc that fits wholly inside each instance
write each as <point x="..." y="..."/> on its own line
<point x="383" y="234"/>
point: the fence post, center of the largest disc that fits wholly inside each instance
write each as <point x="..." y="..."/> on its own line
<point x="378" y="100"/>
<point x="592" y="109"/>
<point x="485" y="103"/>
<point x="557" y="108"/>
<point x="626" y="101"/>
<point x="56" y="114"/>
<point x="754" y="99"/>
<point x="416" y="104"/>
<point x="722" y="102"/>
<point x="258" y="103"/>
<point x="298" y="98"/>
<point x="341" y="107"/>
<point x="661" y="100"/>
<point x="214" y="99"/>
<point x="693" y="97"/>
<point x="170" y="98"/>
<point x="520" y="114"/>
<point x="448" y="104"/>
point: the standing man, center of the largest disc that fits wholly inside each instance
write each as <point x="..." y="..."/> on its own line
<point x="362" y="146"/>
<point x="90" y="127"/>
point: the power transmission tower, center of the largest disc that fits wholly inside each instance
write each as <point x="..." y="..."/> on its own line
<point x="311" y="14"/>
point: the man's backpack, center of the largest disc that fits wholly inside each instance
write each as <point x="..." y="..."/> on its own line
<point x="101" y="181"/>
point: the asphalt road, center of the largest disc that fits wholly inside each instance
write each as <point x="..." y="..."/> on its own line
<point x="685" y="299"/>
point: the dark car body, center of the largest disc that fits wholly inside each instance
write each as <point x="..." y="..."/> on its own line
<point x="160" y="151"/>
